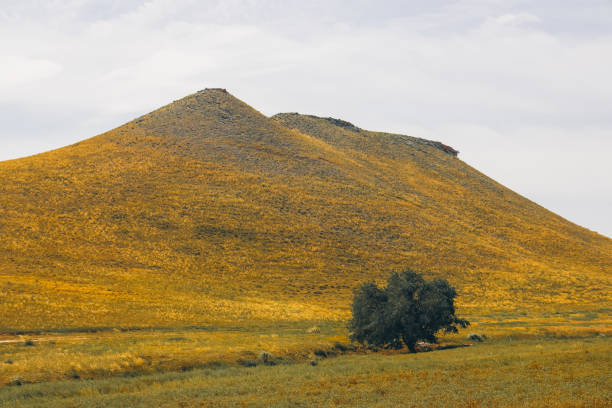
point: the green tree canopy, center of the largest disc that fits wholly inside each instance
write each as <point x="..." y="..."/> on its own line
<point x="409" y="309"/>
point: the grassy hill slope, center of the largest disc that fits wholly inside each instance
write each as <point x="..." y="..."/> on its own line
<point x="207" y="212"/>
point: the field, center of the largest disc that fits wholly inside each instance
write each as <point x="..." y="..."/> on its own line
<point x="542" y="372"/>
<point x="559" y="360"/>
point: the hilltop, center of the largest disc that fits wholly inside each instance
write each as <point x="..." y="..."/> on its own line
<point x="205" y="211"/>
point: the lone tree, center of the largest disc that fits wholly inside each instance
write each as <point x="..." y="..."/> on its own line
<point x="409" y="309"/>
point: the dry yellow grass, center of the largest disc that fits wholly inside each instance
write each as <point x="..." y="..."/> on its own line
<point x="206" y="212"/>
<point x="35" y="358"/>
<point x="52" y="357"/>
<point x="559" y="373"/>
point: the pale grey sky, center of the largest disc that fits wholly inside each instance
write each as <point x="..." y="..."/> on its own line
<point x="521" y="88"/>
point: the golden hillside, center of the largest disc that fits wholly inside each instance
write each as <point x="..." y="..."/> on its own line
<point x="207" y="212"/>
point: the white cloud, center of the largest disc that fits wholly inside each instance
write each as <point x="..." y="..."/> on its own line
<point x="18" y="71"/>
<point x="517" y="19"/>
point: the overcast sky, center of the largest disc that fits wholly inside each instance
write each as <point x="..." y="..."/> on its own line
<point x="523" y="89"/>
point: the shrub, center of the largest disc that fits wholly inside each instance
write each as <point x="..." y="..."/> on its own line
<point x="247" y="363"/>
<point x="267" y="358"/>
<point x="341" y="347"/>
<point x="18" y="380"/>
<point x="477" y="337"/>
<point x="409" y="309"/>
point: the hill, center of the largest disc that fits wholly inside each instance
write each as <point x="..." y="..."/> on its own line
<point x="207" y="212"/>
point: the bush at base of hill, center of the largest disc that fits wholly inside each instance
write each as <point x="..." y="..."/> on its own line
<point x="409" y="309"/>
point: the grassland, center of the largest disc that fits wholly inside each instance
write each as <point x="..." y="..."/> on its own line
<point x="58" y="356"/>
<point x="46" y="357"/>
<point x="524" y="372"/>
<point x="207" y="213"/>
